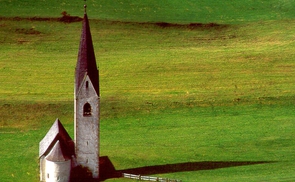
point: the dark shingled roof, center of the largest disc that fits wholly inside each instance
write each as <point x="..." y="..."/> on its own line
<point x="57" y="133"/>
<point x="86" y="63"/>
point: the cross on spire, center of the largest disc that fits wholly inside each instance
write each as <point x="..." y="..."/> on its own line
<point x="85" y="6"/>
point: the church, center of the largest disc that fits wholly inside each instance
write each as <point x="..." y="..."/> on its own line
<point x="58" y="153"/>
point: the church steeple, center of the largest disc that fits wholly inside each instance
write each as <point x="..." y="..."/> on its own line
<point x="87" y="103"/>
<point x="86" y="63"/>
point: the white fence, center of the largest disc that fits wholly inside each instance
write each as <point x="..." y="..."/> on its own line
<point x="149" y="178"/>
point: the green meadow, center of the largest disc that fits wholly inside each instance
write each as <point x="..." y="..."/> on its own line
<point x="209" y="84"/>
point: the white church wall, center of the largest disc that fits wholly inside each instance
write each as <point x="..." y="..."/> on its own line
<point x="87" y="127"/>
<point x="42" y="169"/>
<point x="57" y="171"/>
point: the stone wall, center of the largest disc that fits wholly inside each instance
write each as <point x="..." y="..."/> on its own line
<point x="87" y="127"/>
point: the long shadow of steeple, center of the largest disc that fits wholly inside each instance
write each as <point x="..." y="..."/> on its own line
<point x="108" y="170"/>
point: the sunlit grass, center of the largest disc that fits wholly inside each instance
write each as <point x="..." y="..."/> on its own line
<point x="169" y="94"/>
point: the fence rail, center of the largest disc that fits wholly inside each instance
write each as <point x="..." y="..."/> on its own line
<point x="149" y="178"/>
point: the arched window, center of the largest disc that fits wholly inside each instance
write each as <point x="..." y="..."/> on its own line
<point x="87" y="84"/>
<point x="87" y="110"/>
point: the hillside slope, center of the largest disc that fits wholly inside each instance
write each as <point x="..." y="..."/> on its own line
<point x="204" y="11"/>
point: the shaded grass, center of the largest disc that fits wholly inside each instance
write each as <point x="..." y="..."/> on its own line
<point x="27" y="116"/>
<point x="257" y="132"/>
<point x="237" y="133"/>
<point x="157" y="11"/>
<point x="198" y="134"/>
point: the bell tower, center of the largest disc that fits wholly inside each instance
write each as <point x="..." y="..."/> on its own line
<point x="87" y="103"/>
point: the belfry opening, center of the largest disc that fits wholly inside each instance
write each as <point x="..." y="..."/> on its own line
<point x="87" y="109"/>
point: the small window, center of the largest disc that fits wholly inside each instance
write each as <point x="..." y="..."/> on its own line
<point x="87" y="84"/>
<point x="87" y="110"/>
<point x="48" y="175"/>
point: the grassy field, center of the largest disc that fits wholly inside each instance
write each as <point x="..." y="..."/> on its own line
<point x="203" y="11"/>
<point x="171" y="94"/>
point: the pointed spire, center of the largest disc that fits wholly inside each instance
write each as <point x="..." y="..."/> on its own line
<point x="86" y="63"/>
<point x="85" y="6"/>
